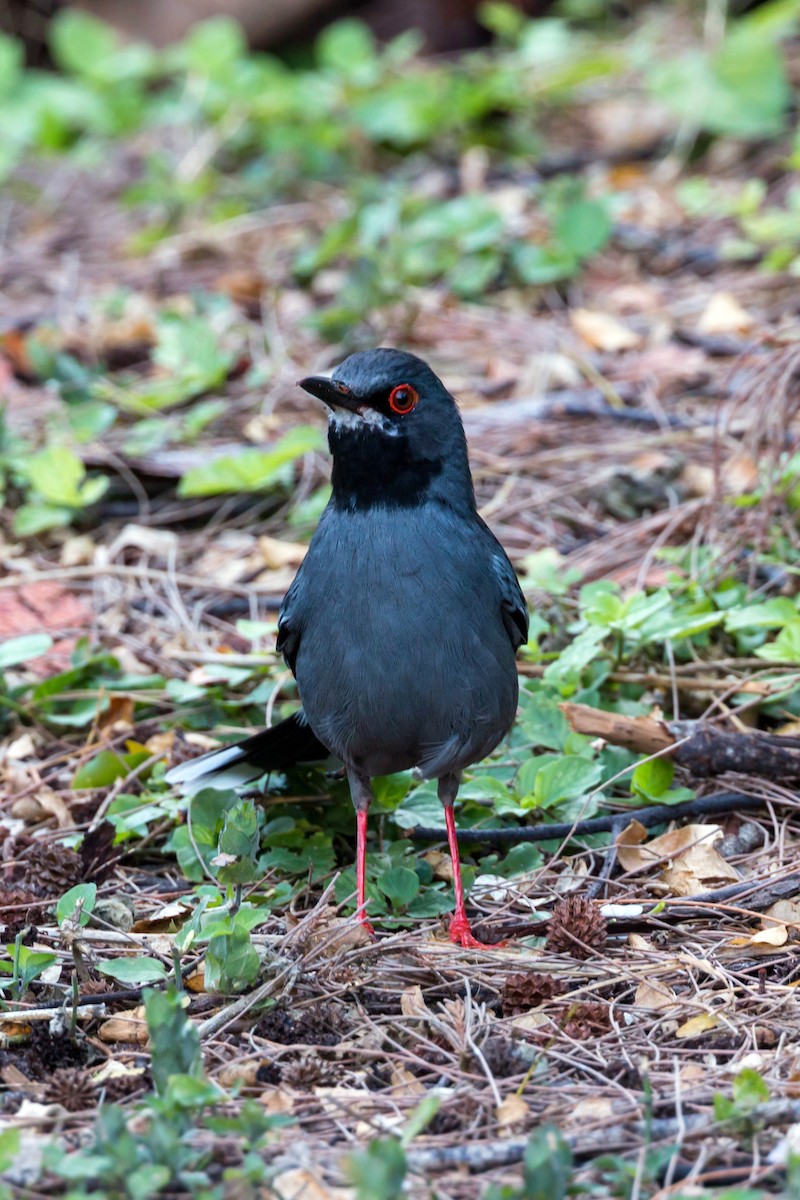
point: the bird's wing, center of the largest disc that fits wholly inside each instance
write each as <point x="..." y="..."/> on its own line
<point x="290" y="623"/>
<point x="513" y="607"/>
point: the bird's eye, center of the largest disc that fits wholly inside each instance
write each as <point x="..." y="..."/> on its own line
<point x="403" y="398"/>
<point x="343" y="388"/>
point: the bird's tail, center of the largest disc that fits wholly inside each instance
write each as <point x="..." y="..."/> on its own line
<point x="284" y="745"/>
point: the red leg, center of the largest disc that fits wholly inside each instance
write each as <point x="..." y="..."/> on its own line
<point x="361" y="869"/>
<point x="459" y="925"/>
<point x="361" y="794"/>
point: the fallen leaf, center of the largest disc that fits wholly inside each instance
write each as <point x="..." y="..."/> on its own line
<point x="776" y="935"/>
<point x="632" y="836"/>
<point x="601" y="331"/>
<point x="125" y="1027"/>
<point x="635" y="940"/>
<point x="724" y="314"/>
<point x="441" y="864"/>
<point x="244" y="1071"/>
<point x="513" y="1111"/>
<point x="406" y="1084"/>
<point x="786" y="911"/>
<point x="702" y="1023"/>
<point x="301" y="1184"/>
<point x="654" y="996"/>
<point x="692" y="865"/>
<point x="412" y="1002"/>
<point x="278" y="554"/>
<point x="276" y="1102"/>
<point x="593" y="1108"/>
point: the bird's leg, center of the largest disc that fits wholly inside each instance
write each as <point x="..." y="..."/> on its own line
<point x="459" y="925"/>
<point x="361" y="794"/>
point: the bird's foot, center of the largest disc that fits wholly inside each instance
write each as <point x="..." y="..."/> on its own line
<point x="461" y="933"/>
<point x="366" y="925"/>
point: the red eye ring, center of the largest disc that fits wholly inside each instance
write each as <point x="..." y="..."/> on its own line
<point x="403" y="398"/>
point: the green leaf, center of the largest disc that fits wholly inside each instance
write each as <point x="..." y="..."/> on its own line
<point x="566" y="778"/>
<point x="749" y="1090"/>
<point x="547" y="1165"/>
<point x="345" y="44"/>
<point x="136" y="970"/>
<point x="651" y="779"/>
<point x="378" y="1172"/>
<point x="215" y="46"/>
<point x="771" y="614"/>
<point x="786" y="647"/>
<point x="80" y="43"/>
<point x="399" y="884"/>
<point x="100" y="771"/>
<point x="240" y="840"/>
<point x="30" y="519"/>
<point x="583" y="227"/>
<point x="9" y="1148"/>
<point x="174" y="1041"/>
<point x="65" y="908"/>
<point x="231" y="963"/>
<point x="252" y="470"/>
<point x="59" y="477"/>
<point x="21" y="649"/>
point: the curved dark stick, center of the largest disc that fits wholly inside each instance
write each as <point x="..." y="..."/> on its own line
<point x="653" y="814"/>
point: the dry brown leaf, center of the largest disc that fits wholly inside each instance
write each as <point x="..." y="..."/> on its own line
<point x="161" y="743"/>
<point x="335" y="933"/>
<point x="406" y="1084"/>
<point x="786" y="911"/>
<point x="654" y="996"/>
<point x="724" y="314"/>
<point x="692" y="863"/>
<point x="601" y="331"/>
<point x="125" y="1027"/>
<point x="441" y="864"/>
<point x="775" y="935"/>
<point x="412" y="1002"/>
<point x="278" y="554"/>
<point x="302" y="1184"/>
<point x="276" y="1102"/>
<point x="244" y="1071"/>
<point x="529" y="1021"/>
<point x="513" y="1111"/>
<point x="629" y="840"/>
<point x="637" y="942"/>
<point x="702" y="1023"/>
<point x="593" y="1108"/>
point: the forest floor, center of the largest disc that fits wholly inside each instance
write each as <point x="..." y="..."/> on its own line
<point x="633" y="433"/>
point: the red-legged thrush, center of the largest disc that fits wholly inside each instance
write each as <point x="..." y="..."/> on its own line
<point x="402" y="624"/>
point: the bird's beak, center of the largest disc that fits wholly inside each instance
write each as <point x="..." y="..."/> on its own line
<point x="335" y="395"/>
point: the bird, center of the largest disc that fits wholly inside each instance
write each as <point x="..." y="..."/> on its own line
<point x="402" y="624"/>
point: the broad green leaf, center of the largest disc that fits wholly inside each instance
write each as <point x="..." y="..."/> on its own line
<point x="652" y="779"/>
<point x="786" y="647"/>
<point x="21" y="649"/>
<point x="174" y="1041"/>
<point x="399" y="884"/>
<point x="569" y="776"/>
<point x="100" y="771"/>
<point x="252" y="470"/>
<point x="770" y="614"/>
<point x="80" y="42"/>
<point x="231" y="963"/>
<point x="136" y="970"/>
<point x="59" y="476"/>
<point x="66" y="906"/>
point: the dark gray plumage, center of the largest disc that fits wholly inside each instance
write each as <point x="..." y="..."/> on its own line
<point x="402" y="623"/>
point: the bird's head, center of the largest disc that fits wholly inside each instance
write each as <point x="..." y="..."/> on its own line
<point x="394" y="431"/>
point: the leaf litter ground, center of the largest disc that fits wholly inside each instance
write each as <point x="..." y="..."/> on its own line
<point x="649" y="408"/>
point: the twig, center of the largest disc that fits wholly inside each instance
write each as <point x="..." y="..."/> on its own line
<point x="655" y="814"/>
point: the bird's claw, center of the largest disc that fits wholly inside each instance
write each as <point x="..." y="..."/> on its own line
<point x="462" y="935"/>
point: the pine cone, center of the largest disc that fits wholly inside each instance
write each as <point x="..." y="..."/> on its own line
<point x="527" y="989"/>
<point x="52" y="869"/>
<point x="48" y="1051"/>
<point x="309" y="1072"/>
<point x="318" y="1026"/>
<point x="72" y="1089"/>
<point x="582" y="1022"/>
<point x="98" y="857"/>
<point x="502" y="1057"/>
<point x="577" y="927"/>
<point x="19" y="908"/>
